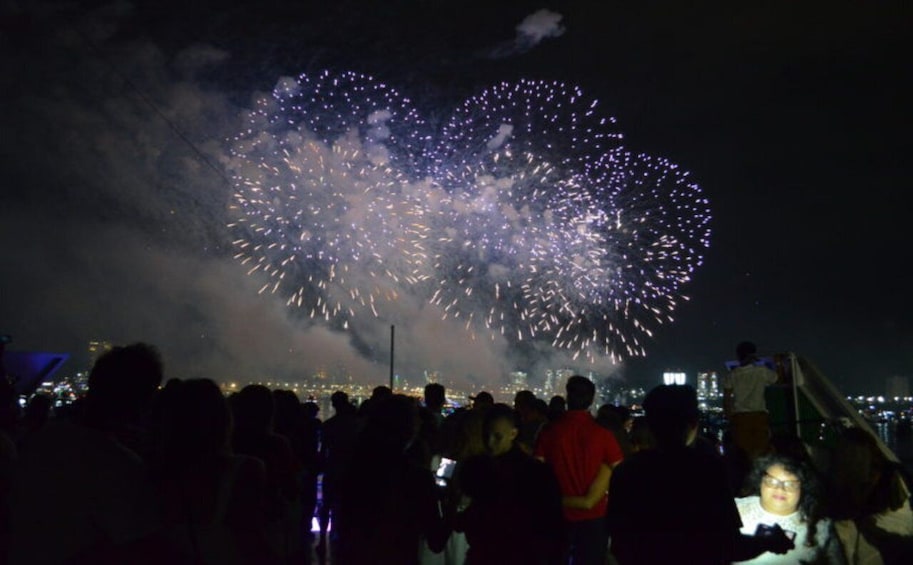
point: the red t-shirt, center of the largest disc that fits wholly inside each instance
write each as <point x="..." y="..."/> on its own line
<point x="575" y="446"/>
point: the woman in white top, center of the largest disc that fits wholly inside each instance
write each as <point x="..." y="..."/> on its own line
<point x="787" y="495"/>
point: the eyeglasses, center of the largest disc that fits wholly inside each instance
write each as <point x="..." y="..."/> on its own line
<point x="788" y="486"/>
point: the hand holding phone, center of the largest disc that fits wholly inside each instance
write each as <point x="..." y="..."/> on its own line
<point x="444" y="471"/>
<point x="776" y="539"/>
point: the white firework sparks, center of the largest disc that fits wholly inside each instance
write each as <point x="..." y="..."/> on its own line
<point x="525" y="218"/>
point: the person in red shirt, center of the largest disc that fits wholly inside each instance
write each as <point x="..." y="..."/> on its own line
<point x="582" y="454"/>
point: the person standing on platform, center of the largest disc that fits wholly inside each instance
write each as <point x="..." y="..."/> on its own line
<point x="744" y="403"/>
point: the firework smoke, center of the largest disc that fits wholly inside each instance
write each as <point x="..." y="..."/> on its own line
<point x="523" y="218"/>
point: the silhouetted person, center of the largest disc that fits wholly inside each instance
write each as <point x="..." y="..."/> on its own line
<point x="298" y="423"/>
<point x="312" y="465"/>
<point x="556" y="407"/>
<point x="463" y="428"/>
<point x="671" y="503"/>
<point x="525" y="406"/>
<point x="378" y="393"/>
<point x="337" y="446"/>
<point x="539" y="415"/>
<point x="482" y="400"/>
<point x="80" y="495"/>
<point x="515" y="514"/>
<point x="434" y="397"/>
<point x="616" y="419"/>
<point x="213" y="502"/>
<point x="388" y="505"/>
<point x="641" y="436"/>
<point x="253" y="411"/>
<point x="428" y="445"/>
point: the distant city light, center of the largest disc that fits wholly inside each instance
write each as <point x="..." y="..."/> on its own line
<point x="673" y="378"/>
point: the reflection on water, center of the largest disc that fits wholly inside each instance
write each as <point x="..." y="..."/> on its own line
<point x="899" y="440"/>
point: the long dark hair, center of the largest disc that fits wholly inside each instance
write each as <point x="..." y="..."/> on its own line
<point x="810" y="497"/>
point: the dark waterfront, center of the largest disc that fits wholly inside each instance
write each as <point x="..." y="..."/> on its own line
<point x="900" y="443"/>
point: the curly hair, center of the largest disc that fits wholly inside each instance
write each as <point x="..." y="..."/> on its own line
<point x="811" y="495"/>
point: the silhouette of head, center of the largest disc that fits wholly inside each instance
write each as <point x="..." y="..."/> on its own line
<point x="381" y="391"/>
<point x="523" y="400"/>
<point x="122" y="384"/>
<point x="434" y="396"/>
<point x="287" y="410"/>
<point x="580" y="393"/>
<point x="339" y="399"/>
<point x="253" y="408"/>
<point x="310" y="409"/>
<point x="745" y="351"/>
<point x="613" y="417"/>
<point x="557" y="404"/>
<point x="196" y="421"/>
<point x="672" y="413"/>
<point x="483" y="400"/>
<point x="500" y="429"/>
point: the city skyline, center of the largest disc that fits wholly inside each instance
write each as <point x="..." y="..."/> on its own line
<point x="707" y="382"/>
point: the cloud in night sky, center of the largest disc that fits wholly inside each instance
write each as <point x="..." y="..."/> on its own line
<point x="535" y="28"/>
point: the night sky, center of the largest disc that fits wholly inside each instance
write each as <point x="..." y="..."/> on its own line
<point x="792" y="116"/>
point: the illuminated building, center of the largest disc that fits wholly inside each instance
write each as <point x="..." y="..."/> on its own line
<point x="519" y="380"/>
<point x="97" y="349"/>
<point x="708" y="389"/>
<point x="560" y="380"/>
<point x="673" y="378"/>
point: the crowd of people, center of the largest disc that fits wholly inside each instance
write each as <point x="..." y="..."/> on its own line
<point x="145" y="469"/>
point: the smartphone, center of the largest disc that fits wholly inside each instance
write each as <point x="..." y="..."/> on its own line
<point x="765" y="530"/>
<point x="444" y="471"/>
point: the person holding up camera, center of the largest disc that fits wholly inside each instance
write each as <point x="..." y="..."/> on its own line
<point x="744" y="403"/>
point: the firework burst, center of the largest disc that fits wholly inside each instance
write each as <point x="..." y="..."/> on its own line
<point x="524" y="217"/>
<point x="323" y="204"/>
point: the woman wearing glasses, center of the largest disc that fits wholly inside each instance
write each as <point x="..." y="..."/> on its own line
<point x="787" y="497"/>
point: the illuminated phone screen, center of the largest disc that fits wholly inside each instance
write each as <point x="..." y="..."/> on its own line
<point x="444" y="471"/>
